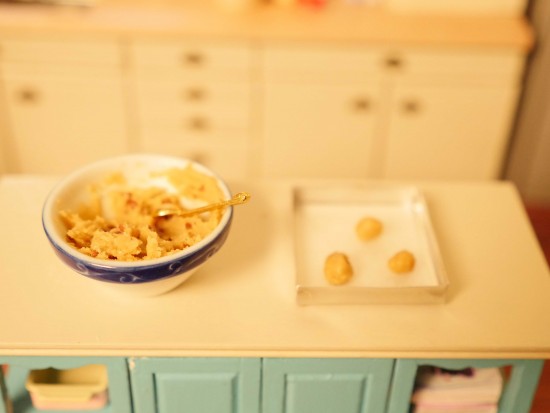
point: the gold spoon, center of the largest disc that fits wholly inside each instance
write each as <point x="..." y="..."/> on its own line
<point x="237" y="199"/>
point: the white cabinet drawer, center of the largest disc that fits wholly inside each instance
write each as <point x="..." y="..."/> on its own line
<point x="486" y="64"/>
<point x="346" y="65"/>
<point x="321" y="64"/>
<point x="66" y="51"/>
<point x="477" y="7"/>
<point x="224" y="61"/>
<point x="171" y="99"/>
<point x="194" y="127"/>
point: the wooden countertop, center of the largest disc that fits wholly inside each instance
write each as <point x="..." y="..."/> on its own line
<point x="242" y="303"/>
<point x="335" y="23"/>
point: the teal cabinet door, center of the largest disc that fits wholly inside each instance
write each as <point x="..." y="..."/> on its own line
<point x="326" y="385"/>
<point x="197" y="385"/>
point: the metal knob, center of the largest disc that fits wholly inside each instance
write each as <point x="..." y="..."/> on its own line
<point x="411" y="106"/>
<point x="198" y="123"/>
<point x="394" y="62"/>
<point x="194" y="94"/>
<point x="361" y="105"/>
<point x="28" y="95"/>
<point x="193" y="58"/>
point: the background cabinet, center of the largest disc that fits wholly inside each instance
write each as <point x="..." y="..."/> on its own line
<point x="66" y="97"/>
<point x="319" y="131"/>
<point x="448" y="132"/>
<point x="376" y="113"/>
<point x="273" y="110"/>
<point x="321" y="107"/>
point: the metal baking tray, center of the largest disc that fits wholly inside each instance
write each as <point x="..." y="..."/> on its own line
<point x="324" y="222"/>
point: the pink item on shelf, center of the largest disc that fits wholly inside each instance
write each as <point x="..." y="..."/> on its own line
<point x="456" y="408"/>
<point x="96" y="402"/>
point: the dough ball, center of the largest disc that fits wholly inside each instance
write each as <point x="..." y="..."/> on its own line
<point x="368" y="228"/>
<point x="338" y="269"/>
<point x="402" y="262"/>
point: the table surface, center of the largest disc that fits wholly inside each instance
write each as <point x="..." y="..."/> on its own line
<point x="242" y="303"/>
<point x="336" y="22"/>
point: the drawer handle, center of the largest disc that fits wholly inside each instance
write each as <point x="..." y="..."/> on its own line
<point x="198" y="123"/>
<point x="361" y="105"/>
<point x="194" y="94"/>
<point x="394" y="62"/>
<point x="193" y="59"/>
<point x="28" y="95"/>
<point x="411" y="107"/>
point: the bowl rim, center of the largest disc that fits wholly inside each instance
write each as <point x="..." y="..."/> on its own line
<point x="48" y="209"/>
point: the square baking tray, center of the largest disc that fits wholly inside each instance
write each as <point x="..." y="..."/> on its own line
<point x="325" y="217"/>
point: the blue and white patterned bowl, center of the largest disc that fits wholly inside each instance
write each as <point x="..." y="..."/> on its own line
<point x="141" y="278"/>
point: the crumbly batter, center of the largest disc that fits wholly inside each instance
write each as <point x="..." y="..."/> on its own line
<point x="338" y="270"/>
<point x="402" y="262"/>
<point x="368" y="228"/>
<point x="119" y="222"/>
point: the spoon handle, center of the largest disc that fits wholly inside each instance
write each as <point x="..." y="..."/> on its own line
<point x="239" y="198"/>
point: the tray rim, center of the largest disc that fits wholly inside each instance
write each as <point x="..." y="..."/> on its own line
<point x="437" y="291"/>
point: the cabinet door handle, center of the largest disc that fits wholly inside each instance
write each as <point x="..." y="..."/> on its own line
<point x="28" y="95"/>
<point x="193" y="59"/>
<point x="361" y="105"/>
<point x="394" y="62"/>
<point x="198" y="123"/>
<point x="194" y="94"/>
<point x="411" y="107"/>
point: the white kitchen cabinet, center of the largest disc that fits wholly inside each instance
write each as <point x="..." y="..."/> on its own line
<point x="448" y="132"/>
<point x="450" y="113"/>
<point x="321" y="106"/>
<point x="65" y="104"/>
<point x="319" y="131"/>
<point x="194" y="99"/>
<point x="272" y="109"/>
<point x="421" y="113"/>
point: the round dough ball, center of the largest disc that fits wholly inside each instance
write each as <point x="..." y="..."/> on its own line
<point x="338" y="269"/>
<point x="402" y="262"/>
<point x="368" y="228"/>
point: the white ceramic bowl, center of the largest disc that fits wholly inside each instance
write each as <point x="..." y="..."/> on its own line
<point x="142" y="278"/>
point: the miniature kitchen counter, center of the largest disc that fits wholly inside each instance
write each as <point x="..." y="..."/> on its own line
<point x="243" y="302"/>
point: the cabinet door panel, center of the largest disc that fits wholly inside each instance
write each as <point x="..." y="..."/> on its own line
<point x="79" y="119"/>
<point x="196" y="385"/>
<point x="318" y="131"/>
<point x="326" y="385"/>
<point x="193" y="392"/>
<point x="448" y="133"/>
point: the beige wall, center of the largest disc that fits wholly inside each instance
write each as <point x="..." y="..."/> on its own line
<point x="529" y="161"/>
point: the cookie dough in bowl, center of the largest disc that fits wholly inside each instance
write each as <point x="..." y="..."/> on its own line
<point x="101" y="221"/>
